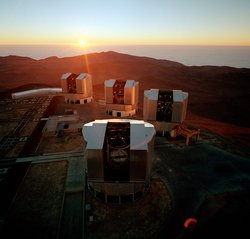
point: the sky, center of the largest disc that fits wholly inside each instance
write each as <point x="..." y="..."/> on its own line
<point x="131" y="22"/>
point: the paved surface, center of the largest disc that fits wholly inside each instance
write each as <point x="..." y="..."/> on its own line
<point x="191" y="174"/>
<point x="37" y="205"/>
<point x="195" y="173"/>
<point x="72" y="221"/>
<point x="72" y="217"/>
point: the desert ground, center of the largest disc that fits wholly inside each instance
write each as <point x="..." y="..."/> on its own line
<point x="207" y="180"/>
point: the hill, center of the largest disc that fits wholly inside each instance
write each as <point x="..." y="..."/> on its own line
<point x="216" y="93"/>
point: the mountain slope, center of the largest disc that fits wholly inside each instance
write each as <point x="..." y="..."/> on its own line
<point x="220" y="93"/>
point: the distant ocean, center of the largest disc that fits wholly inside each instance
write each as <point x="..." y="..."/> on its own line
<point x="235" y="56"/>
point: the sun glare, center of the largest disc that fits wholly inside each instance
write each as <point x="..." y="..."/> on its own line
<point x="83" y="44"/>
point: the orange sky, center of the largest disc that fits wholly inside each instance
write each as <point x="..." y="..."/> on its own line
<point x="184" y="22"/>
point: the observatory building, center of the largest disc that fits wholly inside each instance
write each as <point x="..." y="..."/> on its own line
<point x="119" y="156"/>
<point x="77" y="88"/>
<point x="121" y="97"/>
<point x="165" y="108"/>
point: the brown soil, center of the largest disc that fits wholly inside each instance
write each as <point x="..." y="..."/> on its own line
<point x="141" y="219"/>
<point x="236" y="134"/>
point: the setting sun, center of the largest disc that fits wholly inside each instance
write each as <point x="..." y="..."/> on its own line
<point x="83" y="43"/>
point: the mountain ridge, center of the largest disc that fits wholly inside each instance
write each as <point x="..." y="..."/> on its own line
<point x="217" y="92"/>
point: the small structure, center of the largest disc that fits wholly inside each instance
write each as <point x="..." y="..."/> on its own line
<point x="185" y="132"/>
<point x="56" y="125"/>
<point x="36" y="92"/>
<point x="121" y="97"/>
<point x="77" y="88"/>
<point x="119" y="156"/>
<point x="165" y="108"/>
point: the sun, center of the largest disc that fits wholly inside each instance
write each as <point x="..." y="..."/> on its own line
<point x="83" y="44"/>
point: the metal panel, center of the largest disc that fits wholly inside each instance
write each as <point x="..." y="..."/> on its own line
<point x="152" y="110"/>
<point x="129" y="92"/>
<point x="150" y="154"/>
<point x="95" y="164"/>
<point x="80" y="86"/>
<point x="150" y="104"/>
<point x="82" y="76"/>
<point x="109" y="95"/>
<point x="138" y="165"/>
<point x="152" y="94"/>
<point x="94" y="133"/>
<point x="136" y="93"/>
<point x="129" y="84"/>
<point x="129" y="95"/>
<point x="185" y="104"/>
<point x="145" y="107"/>
<point x="109" y="83"/>
<point x="64" y="85"/>
<point x="177" y="114"/>
<point x="65" y="76"/>
<point x="89" y="90"/>
<point x="177" y="96"/>
<point x="137" y="132"/>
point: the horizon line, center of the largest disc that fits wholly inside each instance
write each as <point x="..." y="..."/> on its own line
<point x="119" y="44"/>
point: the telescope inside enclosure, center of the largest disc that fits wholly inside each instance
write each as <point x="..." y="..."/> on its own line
<point x="165" y="108"/>
<point x="121" y="97"/>
<point x="77" y="88"/>
<point x="119" y="155"/>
